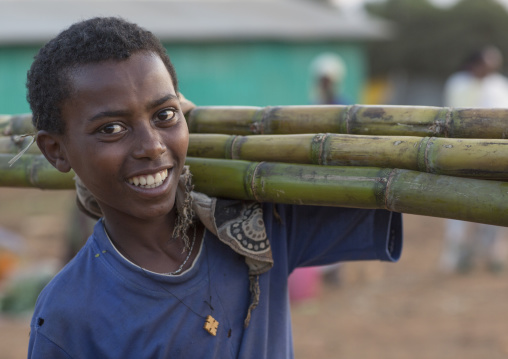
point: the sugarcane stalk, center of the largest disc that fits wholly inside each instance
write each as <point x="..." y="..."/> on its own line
<point x="33" y="171"/>
<point x="16" y="125"/>
<point x="474" y="158"/>
<point x="15" y="144"/>
<point x="359" y="187"/>
<point x="421" y="121"/>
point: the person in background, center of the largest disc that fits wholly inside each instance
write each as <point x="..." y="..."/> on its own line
<point x="328" y="71"/>
<point x="478" y="84"/>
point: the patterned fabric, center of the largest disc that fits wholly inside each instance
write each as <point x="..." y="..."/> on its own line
<point x="240" y="225"/>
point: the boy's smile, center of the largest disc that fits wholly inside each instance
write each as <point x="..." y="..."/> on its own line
<point x="125" y="135"/>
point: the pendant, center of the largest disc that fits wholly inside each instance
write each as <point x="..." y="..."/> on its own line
<point x="211" y="325"/>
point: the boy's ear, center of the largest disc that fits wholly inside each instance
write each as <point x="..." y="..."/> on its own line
<point x="52" y="148"/>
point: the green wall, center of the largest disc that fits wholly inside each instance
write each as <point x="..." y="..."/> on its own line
<point x="253" y="74"/>
<point x="14" y="63"/>
<point x="259" y="74"/>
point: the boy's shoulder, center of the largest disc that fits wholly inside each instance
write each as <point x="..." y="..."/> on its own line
<point x="66" y="291"/>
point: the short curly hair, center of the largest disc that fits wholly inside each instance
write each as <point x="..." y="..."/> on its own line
<point x="90" y="41"/>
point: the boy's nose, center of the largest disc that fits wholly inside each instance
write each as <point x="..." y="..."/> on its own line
<point x="149" y="143"/>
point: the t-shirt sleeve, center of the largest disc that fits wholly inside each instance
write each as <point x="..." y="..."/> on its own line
<point x="40" y="347"/>
<point x="314" y="235"/>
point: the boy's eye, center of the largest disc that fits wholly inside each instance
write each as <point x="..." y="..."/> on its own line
<point x="165" y="115"/>
<point x="111" y="128"/>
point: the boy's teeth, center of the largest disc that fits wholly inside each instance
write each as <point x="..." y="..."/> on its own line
<point x="149" y="181"/>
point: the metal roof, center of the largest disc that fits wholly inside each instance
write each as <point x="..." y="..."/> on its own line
<point x="37" y="21"/>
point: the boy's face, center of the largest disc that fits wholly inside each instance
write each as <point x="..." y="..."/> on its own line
<point x="124" y="126"/>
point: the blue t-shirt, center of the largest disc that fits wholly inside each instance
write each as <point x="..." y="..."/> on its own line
<point x="102" y="306"/>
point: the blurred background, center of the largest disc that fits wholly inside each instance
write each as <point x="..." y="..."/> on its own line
<point x="287" y="52"/>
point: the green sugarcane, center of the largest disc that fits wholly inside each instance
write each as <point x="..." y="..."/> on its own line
<point x="474" y="158"/>
<point x="419" y="121"/>
<point x="359" y="187"/>
<point x="357" y="120"/>
<point x="16" y="125"/>
<point x="33" y="171"/>
<point x="16" y="144"/>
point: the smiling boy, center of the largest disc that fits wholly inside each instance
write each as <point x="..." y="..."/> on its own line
<point x="167" y="273"/>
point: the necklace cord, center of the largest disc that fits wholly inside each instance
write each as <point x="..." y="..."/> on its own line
<point x="209" y="281"/>
<point x="188" y="255"/>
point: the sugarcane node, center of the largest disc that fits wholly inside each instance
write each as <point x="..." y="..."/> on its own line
<point x="235" y="149"/>
<point x="436" y="129"/>
<point x="268" y="125"/>
<point x="449" y="123"/>
<point x="380" y="187"/>
<point x="255" y="121"/>
<point x="350" y="115"/>
<point x="342" y="120"/>
<point x="428" y="147"/>
<point x="322" y="152"/>
<point x="441" y="125"/>
<point x="256" y="128"/>
<point x="6" y="129"/>
<point x="18" y="139"/>
<point x="228" y="147"/>
<point x="317" y="149"/>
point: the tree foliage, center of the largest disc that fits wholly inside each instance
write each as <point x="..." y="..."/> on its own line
<point x="430" y="40"/>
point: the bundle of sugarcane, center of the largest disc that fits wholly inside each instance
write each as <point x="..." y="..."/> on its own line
<point x="395" y="179"/>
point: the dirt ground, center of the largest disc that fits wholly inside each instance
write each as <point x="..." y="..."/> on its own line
<point x="379" y="310"/>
